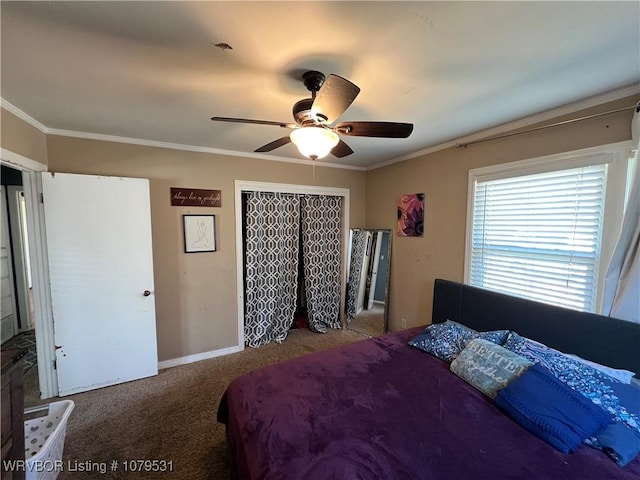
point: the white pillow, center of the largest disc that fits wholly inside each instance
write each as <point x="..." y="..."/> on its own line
<point x="624" y="376"/>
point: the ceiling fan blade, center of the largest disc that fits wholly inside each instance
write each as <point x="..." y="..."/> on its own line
<point x="341" y="150"/>
<point x="273" y="145"/>
<point x="256" y="122"/>
<point x="334" y="97"/>
<point x="375" y="129"/>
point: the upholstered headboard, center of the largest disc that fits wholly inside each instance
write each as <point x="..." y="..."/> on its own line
<point x="606" y="340"/>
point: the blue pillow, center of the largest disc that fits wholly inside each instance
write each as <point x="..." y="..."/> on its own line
<point x="621" y="441"/>
<point x="618" y="441"/>
<point x="446" y="340"/>
<point x="620" y="400"/>
<point x="551" y="410"/>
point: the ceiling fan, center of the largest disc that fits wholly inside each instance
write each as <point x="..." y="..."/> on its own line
<point x="314" y="132"/>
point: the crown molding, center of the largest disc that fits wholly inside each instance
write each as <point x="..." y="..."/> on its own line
<point x="192" y="148"/>
<point x="583" y="104"/>
<point x="507" y="127"/>
<point x="8" y="106"/>
<point x="153" y="143"/>
<point x="20" y="162"/>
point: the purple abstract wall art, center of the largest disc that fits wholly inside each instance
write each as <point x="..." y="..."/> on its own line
<point x="411" y="215"/>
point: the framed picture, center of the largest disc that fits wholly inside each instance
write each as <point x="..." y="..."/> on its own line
<point x="199" y="233"/>
<point x="411" y="215"/>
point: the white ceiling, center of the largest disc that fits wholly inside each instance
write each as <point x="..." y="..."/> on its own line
<point x="150" y="70"/>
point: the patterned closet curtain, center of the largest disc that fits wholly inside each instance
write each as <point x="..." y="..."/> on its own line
<point x="272" y="239"/>
<point x="358" y="246"/>
<point x="321" y="251"/>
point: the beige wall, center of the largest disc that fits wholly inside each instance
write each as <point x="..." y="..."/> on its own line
<point x="196" y="303"/>
<point x="195" y="294"/>
<point x="443" y="177"/>
<point x="20" y="137"/>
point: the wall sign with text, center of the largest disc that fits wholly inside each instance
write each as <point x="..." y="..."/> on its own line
<point x="193" y="197"/>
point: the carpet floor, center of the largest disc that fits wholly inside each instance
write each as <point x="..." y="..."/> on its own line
<point x="171" y="416"/>
<point x="370" y="322"/>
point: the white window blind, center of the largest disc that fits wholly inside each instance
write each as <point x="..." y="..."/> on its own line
<point x="538" y="236"/>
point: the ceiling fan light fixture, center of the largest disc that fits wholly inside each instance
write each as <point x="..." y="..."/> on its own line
<point x="330" y="98"/>
<point x="314" y="142"/>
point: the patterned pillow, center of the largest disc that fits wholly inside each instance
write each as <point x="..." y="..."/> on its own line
<point x="488" y="367"/>
<point x="446" y="340"/>
<point x="622" y="401"/>
<point x="625" y="376"/>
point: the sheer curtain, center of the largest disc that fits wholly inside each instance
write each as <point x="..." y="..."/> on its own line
<point x="271" y="258"/>
<point x="321" y="221"/>
<point x="622" y="282"/>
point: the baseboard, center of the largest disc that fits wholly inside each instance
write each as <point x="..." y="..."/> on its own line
<point x="174" y="362"/>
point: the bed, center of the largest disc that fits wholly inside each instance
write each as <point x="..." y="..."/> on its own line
<point x="381" y="409"/>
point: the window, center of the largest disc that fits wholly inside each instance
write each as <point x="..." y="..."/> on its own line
<point x="536" y="227"/>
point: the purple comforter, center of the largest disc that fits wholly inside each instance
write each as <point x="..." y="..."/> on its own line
<point x="380" y="409"/>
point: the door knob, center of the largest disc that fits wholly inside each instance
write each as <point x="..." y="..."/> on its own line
<point x="146" y="293"/>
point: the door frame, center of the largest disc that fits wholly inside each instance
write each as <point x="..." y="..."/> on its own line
<point x="251" y="186"/>
<point x="10" y="270"/>
<point x="39" y="261"/>
<point x="18" y="239"/>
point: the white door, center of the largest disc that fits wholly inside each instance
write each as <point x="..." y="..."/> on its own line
<point x="374" y="270"/>
<point x="98" y="232"/>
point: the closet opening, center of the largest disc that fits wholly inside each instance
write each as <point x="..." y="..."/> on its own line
<point x="291" y="261"/>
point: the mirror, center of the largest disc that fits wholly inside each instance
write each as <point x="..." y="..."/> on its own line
<point x="366" y="308"/>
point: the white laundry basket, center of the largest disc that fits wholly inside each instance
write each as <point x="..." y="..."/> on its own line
<point x="44" y="439"/>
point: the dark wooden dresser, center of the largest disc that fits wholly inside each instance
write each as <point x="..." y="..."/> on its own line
<point x="12" y="411"/>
